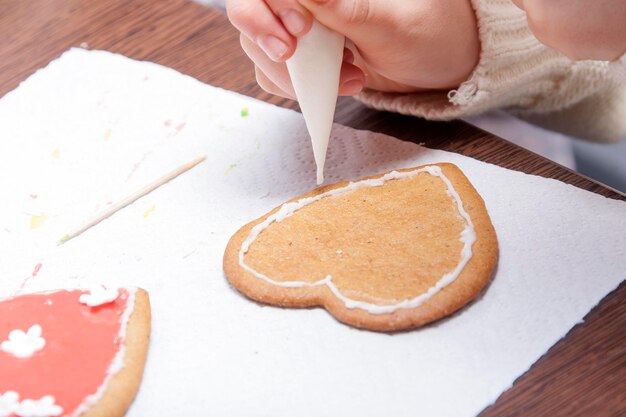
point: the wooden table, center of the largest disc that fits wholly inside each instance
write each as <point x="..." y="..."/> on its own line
<point x="583" y="375"/>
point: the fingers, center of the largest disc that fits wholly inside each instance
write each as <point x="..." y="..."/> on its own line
<point x="274" y="78"/>
<point x="272" y="24"/>
<point x="295" y="18"/>
<point x="351" y="79"/>
<point x="273" y="72"/>
<point x="256" y="21"/>
<point x="355" y="19"/>
<point x="268" y="85"/>
<point x="269" y="29"/>
<point x="352" y="85"/>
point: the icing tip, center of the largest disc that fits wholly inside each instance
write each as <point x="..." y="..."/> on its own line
<point x="320" y="177"/>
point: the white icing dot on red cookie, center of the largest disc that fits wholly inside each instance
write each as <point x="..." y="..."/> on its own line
<point x="99" y="295"/>
<point x="24" y="344"/>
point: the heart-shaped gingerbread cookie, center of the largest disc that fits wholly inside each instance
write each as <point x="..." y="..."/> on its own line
<point x="391" y="252"/>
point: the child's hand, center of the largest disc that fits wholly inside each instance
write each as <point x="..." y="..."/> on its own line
<point x="399" y="46"/>
<point x="592" y="29"/>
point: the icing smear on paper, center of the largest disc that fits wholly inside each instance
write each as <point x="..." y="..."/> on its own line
<point x="149" y="211"/>
<point x="467" y="237"/>
<point x="231" y="167"/>
<point x="33" y="274"/>
<point x="37" y="220"/>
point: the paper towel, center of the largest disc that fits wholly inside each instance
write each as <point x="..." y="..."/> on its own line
<point x="93" y="126"/>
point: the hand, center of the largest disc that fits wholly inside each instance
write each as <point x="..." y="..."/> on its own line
<point x="393" y="46"/>
<point x="591" y="29"/>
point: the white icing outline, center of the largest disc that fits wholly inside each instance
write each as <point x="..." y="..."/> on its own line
<point x="467" y="237"/>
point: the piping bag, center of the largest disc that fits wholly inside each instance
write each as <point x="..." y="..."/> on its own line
<point x="314" y="70"/>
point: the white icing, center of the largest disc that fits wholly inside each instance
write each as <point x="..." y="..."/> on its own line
<point x="118" y="361"/>
<point x="43" y="407"/>
<point x="24" y="344"/>
<point x="9" y="403"/>
<point x="467" y="237"/>
<point x="99" y="295"/>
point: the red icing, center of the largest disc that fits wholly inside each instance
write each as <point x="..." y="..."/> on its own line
<point x="81" y="343"/>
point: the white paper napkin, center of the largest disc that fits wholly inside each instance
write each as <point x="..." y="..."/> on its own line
<point x="93" y="126"/>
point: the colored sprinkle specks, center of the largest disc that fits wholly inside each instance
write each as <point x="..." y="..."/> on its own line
<point x="136" y="166"/>
<point x="107" y="134"/>
<point x="149" y="211"/>
<point x="33" y="196"/>
<point x="176" y="130"/>
<point x="56" y="153"/>
<point x="37" y="221"/>
<point x="63" y="239"/>
<point x="244" y="112"/>
<point x="36" y="270"/>
<point x="231" y="167"/>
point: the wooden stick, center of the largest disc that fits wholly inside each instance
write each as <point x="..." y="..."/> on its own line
<point x="131" y="199"/>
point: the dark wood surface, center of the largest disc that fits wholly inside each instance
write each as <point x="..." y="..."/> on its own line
<point x="582" y="375"/>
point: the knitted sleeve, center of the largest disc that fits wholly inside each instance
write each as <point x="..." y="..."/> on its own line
<point x="526" y="78"/>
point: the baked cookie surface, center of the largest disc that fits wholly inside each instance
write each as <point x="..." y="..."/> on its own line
<point x="391" y="252"/>
<point x="72" y="352"/>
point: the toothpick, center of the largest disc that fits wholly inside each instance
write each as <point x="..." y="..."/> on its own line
<point x="131" y="199"/>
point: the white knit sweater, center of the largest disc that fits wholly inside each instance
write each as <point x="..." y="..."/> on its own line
<point x="519" y="74"/>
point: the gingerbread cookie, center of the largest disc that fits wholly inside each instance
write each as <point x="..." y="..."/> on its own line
<point x="390" y="252"/>
<point x="72" y="352"/>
